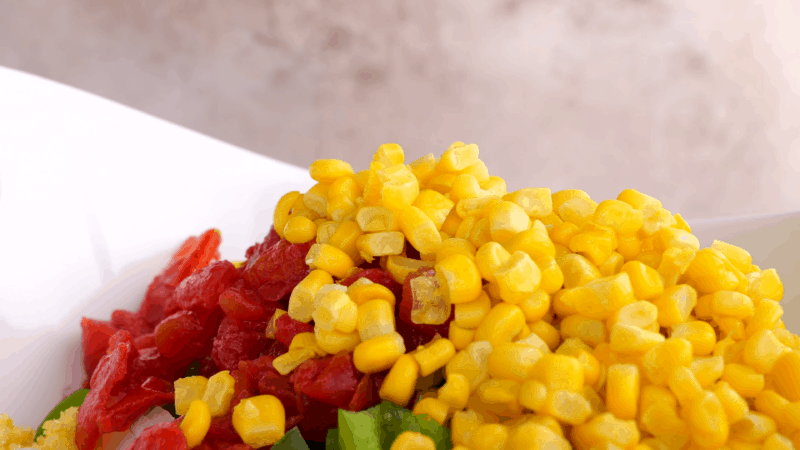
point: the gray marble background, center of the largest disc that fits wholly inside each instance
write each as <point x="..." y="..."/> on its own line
<point x="695" y="102"/>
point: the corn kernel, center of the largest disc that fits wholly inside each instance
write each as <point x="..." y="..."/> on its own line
<point x="329" y="259"/>
<point x="379" y="353"/>
<point x="646" y="282"/>
<point x="762" y="351"/>
<point x="607" y="428"/>
<point x="640" y="314"/>
<point x="501" y="324"/>
<point x="442" y="182"/>
<point x="325" y="230"/>
<point x="595" y="242"/>
<point x="778" y="441"/>
<point x="650" y="258"/>
<point x="764" y="284"/>
<point x="460" y="337"/>
<point x="196" y="422"/>
<point x="622" y="390"/>
<point x="366" y="292"/>
<point x="786" y="372"/>
<point x="743" y="379"/>
<point x="292" y="359"/>
<point x="490" y="436"/>
<point x="489" y="258"/>
<point x="563" y="232"/>
<point x="260" y="420"/>
<point x="577" y="210"/>
<point x="384" y="243"/>
<point x="612" y="265"/>
<point x="662" y="358"/>
<point x="532" y="436"/>
<point x="336" y="311"/>
<point x="547" y="332"/>
<point x="316" y="199"/>
<point x="739" y="257"/>
<point x="735" y="406"/>
<point x="471" y="314"/>
<point x="536" y="202"/>
<point x="535" y="242"/>
<point x="618" y="215"/>
<point x="628" y="339"/>
<point x="535" y="306"/>
<point x="590" y="331"/>
<point x="329" y="170"/>
<point x="629" y="246"/>
<point x="765" y="316"/>
<point x="500" y="392"/>
<point x="435" y="205"/>
<point x="560" y="197"/>
<point x="478" y="207"/>
<point x="675" y="305"/>
<point x="731" y="304"/>
<point x="507" y="219"/>
<point x="399" y="187"/>
<point x="398" y="387"/>
<point x="495" y="186"/>
<point x="710" y="271"/>
<point x="513" y="361"/>
<point x="412" y="440"/>
<point x="577" y="270"/>
<point x="459" y="279"/>
<point x="465" y="186"/>
<point x="218" y="393"/>
<point x="187" y="390"/>
<point x="477" y="170"/>
<point x="518" y="278"/>
<point x="699" y="333"/>
<point x="433" y="408"/>
<point x="420" y="230"/>
<point x="455" y="391"/>
<point x="435" y="356"/>
<point x="299" y="230"/>
<point x="707" y="370"/>
<point x="376" y="218"/>
<point x="282" y="210"/>
<point x="600" y="298"/>
<point x="424" y="168"/>
<point x="773" y="404"/>
<point x="479" y="234"/>
<point x="753" y="428"/>
<point x="400" y="267"/>
<point x="560" y="372"/>
<point x="335" y="341"/>
<point x="271" y="328"/>
<point x="375" y="318"/>
<point x="472" y="362"/>
<point x="342" y="199"/>
<point x="707" y="421"/>
<point x="567" y="407"/>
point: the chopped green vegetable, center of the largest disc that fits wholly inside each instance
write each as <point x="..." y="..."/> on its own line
<point x="332" y="440"/>
<point x="359" y="430"/>
<point x="75" y="399"/>
<point x="292" y="440"/>
<point x="395" y="420"/>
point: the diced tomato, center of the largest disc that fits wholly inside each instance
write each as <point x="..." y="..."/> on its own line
<point x="242" y="303"/>
<point x="95" y="336"/>
<point x="167" y="435"/>
<point x="201" y="290"/>
<point x="277" y="270"/>
<point x="287" y="328"/>
<point x="337" y="383"/>
<point x="238" y="340"/>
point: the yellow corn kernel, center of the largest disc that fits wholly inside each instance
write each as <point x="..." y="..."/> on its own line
<point x="379" y="353"/>
<point x="271" y="329"/>
<point x="469" y="315"/>
<point x="788" y="339"/>
<point x="762" y="351"/>
<point x="536" y="243"/>
<point x="490" y="257"/>
<point x="518" y="278"/>
<point x="335" y="341"/>
<point x="560" y="372"/>
<point x="420" y="230"/>
<point x="618" y="215"/>
<point x="652" y="395"/>
<point x="399" y="187"/>
<point x="361" y="178"/>
<point x="660" y="360"/>
<point x="424" y="168"/>
<point x="728" y="326"/>
<point x="646" y="281"/>
<point x="398" y="387"/>
<point x="453" y="246"/>
<point x="638" y="200"/>
<point x="383" y="243"/>
<point x="500" y="392"/>
<point x="329" y="170"/>
<point x="195" y="423"/>
<point x="292" y="359"/>
<point x="673" y="237"/>
<point x="560" y="197"/>
<point x="612" y="265"/>
<point x="218" y="393"/>
<point x="370" y="291"/>
<point x="533" y="395"/>
<point x="501" y="324"/>
<point x="590" y="331"/>
<point x="412" y="440"/>
<point x="389" y="155"/>
<point x="463" y="425"/>
<point x="674" y="263"/>
<point x="710" y="271"/>
<point x="773" y="404"/>
<point x="533" y="436"/>
<point x="325" y="230"/>
<point x="764" y="284"/>
<point x="738" y="256"/>
<point x="567" y="407"/>
<point x="282" y="210"/>
<point x="731" y="304"/>
<point x="316" y="199"/>
<point x="477" y="170"/>
<point x="707" y="370"/>
<point x="490" y="436"/>
<point x="632" y="340"/>
<point x="563" y="232"/>
<point x="577" y="210"/>
<point x="765" y="316"/>
<point x="595" y="242"/>
<point x="432" y="408"/>
<point x="303" y="298"/>
<point x="458" y="278"/>
<point x="629" y="246"/>
<point x="435" y="356"/>
<point x="435" y="205"/>
<point x="478" y="207"/>
<point x="622" y="390"/>
<point x="495" y="186"/>
<point x="743" y="379"/>
<point x="479" y="234"/>
<point x="792" y="413"/>
<point x="607" y="428"/>
<point x="638" y="314"/>
<point x="536" y="202"/>
<point x="376" y="218"/>
<point x="259" y="420"/>
<point x="650" y="258"/>
<point x="455" y="391"/>
<point x="547" y="332"/>
<point x="533" y="340"/>
<point x="513" y="361"/>
<point x="735" y="406"/>
<point x="656" y="219"/>
<point x="753" y="428"/>
<point x="699" y="333"/>
<point x="400" y="267"/>
<point x="786" y="372"/>
<point x="375" y="318"/>
<point x="458" y="157"/>
<point x="460" y="337"/>
<point x="684" y="385"/>
<point x="675" y="305"/>
<point x="187" y="390"/>
<point x="306" y="341"/>
<point x="442" y="181"/>
<point x="577" y="270"/>
<point x="507" y="219"/>
<point x="778" y="441"/>
<point x="336" y="311"/>
<point x="535" y="306"/>
<point x="472" y="362"/>
<point x="342" y="198"/>
<point x="707" y="421"/>
<point x="600" y="298"/>
<point x="561" y="251"/>
<point x="465" y="186"/>
<point x="372" y="184"/>
<point x="299" y="230"/>
<point x="330" y="259"/>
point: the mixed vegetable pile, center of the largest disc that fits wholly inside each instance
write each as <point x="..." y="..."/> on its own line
<point x="505" y="320"/>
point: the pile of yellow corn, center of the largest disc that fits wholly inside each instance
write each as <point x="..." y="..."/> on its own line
<point x="576" y="323"/>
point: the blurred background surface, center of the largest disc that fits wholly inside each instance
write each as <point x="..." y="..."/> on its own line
<point x="696" y="103"/>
